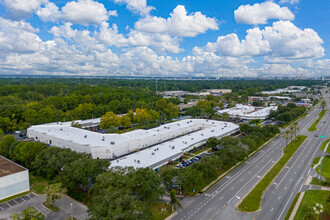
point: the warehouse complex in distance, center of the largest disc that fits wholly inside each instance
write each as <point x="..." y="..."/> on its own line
<point x="14" y="179"/>
<point x="247" y="112"/>
<point x="139" y="148"/>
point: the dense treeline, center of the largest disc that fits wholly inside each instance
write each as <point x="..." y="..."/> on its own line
<point x="73" y="170"/>
<point x="28" y="101"/>
<point x="287" y="113"/>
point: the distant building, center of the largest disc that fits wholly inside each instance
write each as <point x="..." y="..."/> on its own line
<point x="247" y="112"/>
<point x="14" y="179"/>
<point x="257" y="99"/>
<point x="219" y="92"/>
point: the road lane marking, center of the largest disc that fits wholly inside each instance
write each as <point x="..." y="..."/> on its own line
<point x="271" y="209"/>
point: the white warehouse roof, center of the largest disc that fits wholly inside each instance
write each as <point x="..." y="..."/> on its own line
<point x="110" y="146"/>
<point x="248" y="112"/>
<point x="160" y="154"/>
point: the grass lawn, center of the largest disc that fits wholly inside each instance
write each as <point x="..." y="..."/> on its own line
<point x="315" y="161"/>
<point x="311" y="198"/>
<point x="251" y="202"/>
<point x="321" y="114"/>
<point x="156" y="210"/>
<point x="325" y="170"/>
<point x="316" y="181"/>
<point x="38" y="184"/>
<point x="287" y="216"/>
<point x="325" y="144"/>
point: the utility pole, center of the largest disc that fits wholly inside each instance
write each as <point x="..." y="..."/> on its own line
<point x="156" y="87"/>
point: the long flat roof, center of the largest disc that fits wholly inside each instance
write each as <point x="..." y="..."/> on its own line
<point x="8" y="167"/>
<point x="160" y="154"/>
<point x="246" y="111"/>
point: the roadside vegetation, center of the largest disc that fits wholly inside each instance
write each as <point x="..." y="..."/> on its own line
<point x="315" y="205"/>
<point x="313" y="126"/>
<point x="315" y="161"/>
<point x="324" y="144"/>
<point x="288" y="214"/>
<point x="251" y="202"/>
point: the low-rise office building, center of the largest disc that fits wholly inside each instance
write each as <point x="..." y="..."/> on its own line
<point x="14" y="179"/>
<point x="247" y="112"/>
<point x="112" y="146"/>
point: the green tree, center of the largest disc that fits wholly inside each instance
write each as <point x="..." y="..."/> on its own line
<point x="54" y="192"/>
<point x="287" y="136"/>
<point x="7" y="146"/>
<point x="146" y="184"/>
<point x="167" y="174"/>
<point x="212" y="142"/>
<point x="125" y="121"/>
<point x="29" y="213"/>
<point x="167" y="110"/>
<point x="82" y="172"/>
<point x="110" y="120"/>
<point x="190" y="180"/>
<point x="26" y="152"/>
<point x="174" y="200"/>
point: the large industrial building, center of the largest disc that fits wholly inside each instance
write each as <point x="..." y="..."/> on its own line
<point x="14" y="179"/>
<point x="247" y="112"/>
<point x="167" y="142"/>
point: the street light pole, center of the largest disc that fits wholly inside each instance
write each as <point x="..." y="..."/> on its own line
<point x="71" y="212"/>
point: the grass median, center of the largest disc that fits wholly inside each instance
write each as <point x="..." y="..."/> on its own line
<point x="321" y="114"/>
<point x="324" y="145"/>
<point x="251" y="202"/>
<point x="310" y="199"/>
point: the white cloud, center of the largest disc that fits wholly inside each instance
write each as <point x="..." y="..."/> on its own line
<point x="110" y="36"/>
<point x="292" y="2"/>
<point x="261" y="13"/>
<point x="23" y="8"/>
<point x="85" y="12"/>
<point x="163" y="43"/>
<point x="230" y="45"/>
<point x="136" y="6"/>
<point x="49" y="13"/>
<point x="178" y="24"/>
<point x="18" y="37"/>
<point x="289" y="42"/>
<point x="282" y="42"/>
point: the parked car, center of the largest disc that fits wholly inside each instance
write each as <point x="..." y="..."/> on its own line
<point x="316" y="135"/>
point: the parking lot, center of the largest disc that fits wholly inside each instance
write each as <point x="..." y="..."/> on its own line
<point x="67" y="207"/>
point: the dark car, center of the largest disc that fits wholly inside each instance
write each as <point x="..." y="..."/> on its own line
<point x="316" y="135"/>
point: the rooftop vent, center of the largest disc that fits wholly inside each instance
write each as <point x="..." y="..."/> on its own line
<point x="85" y="136"/>
<point x="112" y="142"/>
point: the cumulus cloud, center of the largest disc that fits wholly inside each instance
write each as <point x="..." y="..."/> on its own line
<point x="136" y="6"/>
<point x="254" y="44"/>
<point x="289" y="42"/>
<point x="261" y="13"/>
<point x="18" y="37"/>
<point x="23" y="8"/>
<point x="280" y="43"/>
<point x="85" y="12"/>
<point x="49" y="13"/>
<point x="178" y="24"/>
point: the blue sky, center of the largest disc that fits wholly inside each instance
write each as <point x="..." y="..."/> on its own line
<point x="165" y="38"/>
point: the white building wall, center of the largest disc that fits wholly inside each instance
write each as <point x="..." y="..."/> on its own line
<point x="14" y="184"/>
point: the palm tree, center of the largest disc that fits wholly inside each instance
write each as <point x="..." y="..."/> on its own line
<point x="287" y="136"/>
<point x="296" y="128"/>
<point x="291" y="134"/>
<point x="174" y="200"/>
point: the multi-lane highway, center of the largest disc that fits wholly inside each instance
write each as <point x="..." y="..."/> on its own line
<point x="221" y="200"/>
